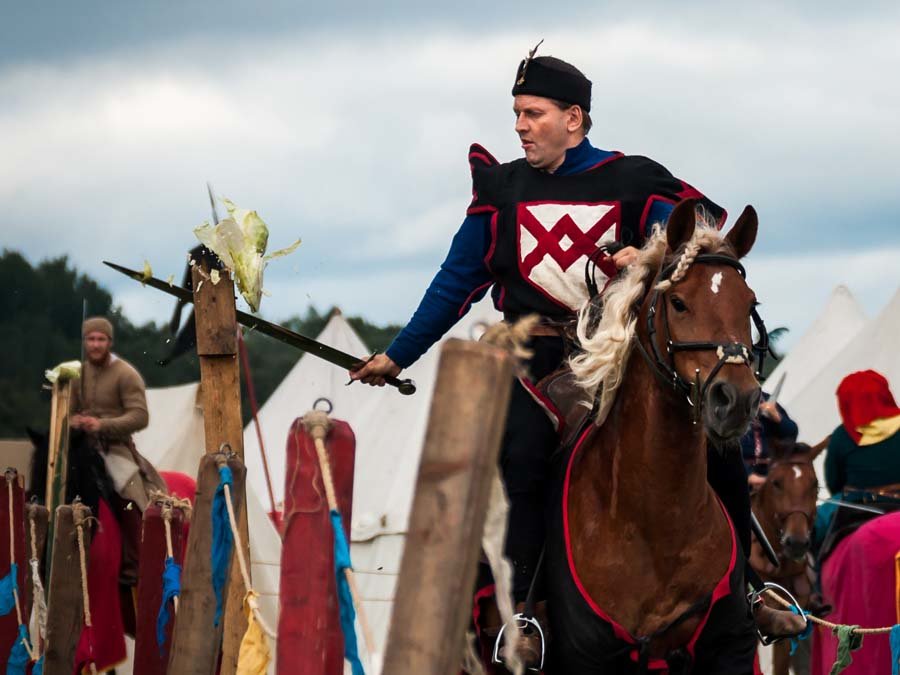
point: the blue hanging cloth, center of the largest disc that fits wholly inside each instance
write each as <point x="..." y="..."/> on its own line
<point x="348" y="613"/>
<point x="8" y="586"/>
<point x="795" y="641"/>
<point x="18" y="656"/>
<point x="222" y="539"/>
<point x="895" y="650"/>
<point x="171" y="588"/>
<point x="38" y="667"/>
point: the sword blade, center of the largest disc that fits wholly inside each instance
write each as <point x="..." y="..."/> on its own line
<point x="855" y="507"/>
<point x="773" y="397"/>
<point x="763" y="540"/>
<point x="273" y="330"/>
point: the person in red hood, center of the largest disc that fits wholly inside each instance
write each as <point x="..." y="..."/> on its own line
<point x="864" y="451"/>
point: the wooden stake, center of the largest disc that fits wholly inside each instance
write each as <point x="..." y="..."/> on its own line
<point x="57" y="453"/>
<point x="65" y="609"/>
<point x="196" y="642"/>
<point x="220" y="388"/>
<point x="437" y="575"/>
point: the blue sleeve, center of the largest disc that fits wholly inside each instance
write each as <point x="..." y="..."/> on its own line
<point x="462" y="279"/>
<point x="786" y="429"/>
<point x="659" y="213"/>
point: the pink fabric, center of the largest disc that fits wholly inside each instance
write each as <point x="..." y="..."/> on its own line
<point x="859" y="580"/>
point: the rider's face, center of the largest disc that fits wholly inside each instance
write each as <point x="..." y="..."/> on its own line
<point x="545" y="130"/>
<point x="96" y="347"/>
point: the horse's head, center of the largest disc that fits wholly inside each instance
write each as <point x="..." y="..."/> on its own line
<point x="788" y="498"/>
<point x="697" y="321"/>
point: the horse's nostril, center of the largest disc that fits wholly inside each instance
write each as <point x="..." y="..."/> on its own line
<point x="722" y="396"/>
<point x="753" y="401"/>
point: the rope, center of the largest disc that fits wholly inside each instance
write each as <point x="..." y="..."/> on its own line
<point x="39" y="601"/>
<point x="167" y="523"/>
<point x="242" y="563"/>
<point x="78" y="518"/>
<point x="317" y="424"/>
<point x="827" y="624"/>
<point x="254" y="410"/>
<point x="12" y="562"/>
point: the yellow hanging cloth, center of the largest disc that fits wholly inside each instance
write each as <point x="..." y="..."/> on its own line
<point x="254" y="656"/>
<point x="879" y="430"/>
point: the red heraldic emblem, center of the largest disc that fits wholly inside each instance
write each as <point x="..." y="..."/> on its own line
<point x="555" y="241"/>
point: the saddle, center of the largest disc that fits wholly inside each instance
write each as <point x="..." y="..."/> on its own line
<point x="572" y="403"/>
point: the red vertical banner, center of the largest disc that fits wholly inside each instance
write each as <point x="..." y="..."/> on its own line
<point x="9" y="623"/>
<point x="309" y="630"/>
<point x="151" y="658"/>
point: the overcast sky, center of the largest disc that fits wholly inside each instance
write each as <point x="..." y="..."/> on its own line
<point x="347" y="126"/>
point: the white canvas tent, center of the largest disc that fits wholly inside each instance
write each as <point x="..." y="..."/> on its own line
<point x="875" y="346"/>
<point x="389" y="429"/>
<point x="838" y="322"/>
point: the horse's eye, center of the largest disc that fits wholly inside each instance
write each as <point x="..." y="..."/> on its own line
<point x="776" y="483"/>
<point x="678" y="304"/>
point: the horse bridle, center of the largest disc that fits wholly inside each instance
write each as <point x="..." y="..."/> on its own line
<point x="728" y="352"/>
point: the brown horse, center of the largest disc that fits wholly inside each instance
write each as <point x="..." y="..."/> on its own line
<point x="645" y="572"/>
<point x="786" y="508"/>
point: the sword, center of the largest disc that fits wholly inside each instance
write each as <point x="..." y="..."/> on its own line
<point x="773" y="397"/>
<point x="273" y="330"/>
<point x="763" y="540"/>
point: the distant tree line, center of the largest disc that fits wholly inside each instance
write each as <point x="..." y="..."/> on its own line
<point x="40" y="326"/>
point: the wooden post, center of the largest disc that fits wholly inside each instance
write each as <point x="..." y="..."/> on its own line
<point x="57" y="453"/>
<point x="65" y="608"/>
<point x="217" y="349"/>
<point x="196" y="642"/>
<point x="434" y="591"/>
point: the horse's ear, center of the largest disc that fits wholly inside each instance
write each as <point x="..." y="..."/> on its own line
<point x="680" y="226"/>
<point x="743" y="235"/>
<point x="780" y="450"/>
<point x="816" y="450"/>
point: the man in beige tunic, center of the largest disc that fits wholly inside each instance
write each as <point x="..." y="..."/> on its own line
<point x="109" y="405"/>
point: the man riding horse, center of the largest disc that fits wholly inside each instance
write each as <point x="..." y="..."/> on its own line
<point x="109" y="405"/>
<point x="532" y="227"/>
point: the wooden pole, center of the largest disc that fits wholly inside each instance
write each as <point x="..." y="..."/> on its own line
<point x="57" y="453"/>
<point x="217" y="349"/>
<point x="434" y="591"/>
<point x="65" y="608"/>
<point x="196" y="642"/>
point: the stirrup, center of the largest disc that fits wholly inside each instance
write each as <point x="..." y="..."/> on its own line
<point x="755" y="599"/>
<point x="523" y="623"/>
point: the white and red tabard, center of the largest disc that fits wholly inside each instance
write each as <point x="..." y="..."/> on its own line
<point x="555" y="242"/>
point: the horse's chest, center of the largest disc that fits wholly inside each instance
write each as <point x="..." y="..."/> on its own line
<point x="650" y="583"/>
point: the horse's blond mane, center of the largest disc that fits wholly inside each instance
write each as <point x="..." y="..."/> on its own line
<point x="599" y="367"/>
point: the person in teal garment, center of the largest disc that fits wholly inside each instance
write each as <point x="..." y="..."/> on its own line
<point x="864" y="451"/>
<point x="862" y="462"/>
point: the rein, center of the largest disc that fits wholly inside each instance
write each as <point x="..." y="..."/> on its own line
<point x="728" y="352"/>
